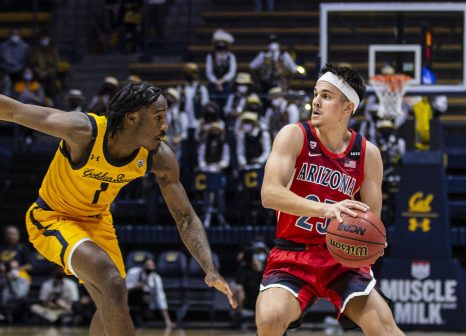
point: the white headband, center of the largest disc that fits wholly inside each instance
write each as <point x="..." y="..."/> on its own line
<point x="343" y="86"/>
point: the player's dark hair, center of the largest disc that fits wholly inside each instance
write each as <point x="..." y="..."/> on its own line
<point x="131" y="98"/>
<point x="351" y="76"/>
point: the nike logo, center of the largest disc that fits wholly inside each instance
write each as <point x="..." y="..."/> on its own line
<point x="314" y="154"/>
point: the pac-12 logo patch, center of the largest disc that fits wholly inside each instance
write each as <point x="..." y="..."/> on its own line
<point x="140" y="163"/>
<point x="312" y="144"/>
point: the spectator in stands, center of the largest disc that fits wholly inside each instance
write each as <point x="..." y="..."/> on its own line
<point x="367" y="127"/>
<point x="99" y="102"/>
<point x="75" y="99"/>
<point x="193" y="97"/>
<point x="131" y="28"/>
<point x="214" y="158"/>
<point x="106" y="26"/>
<point x="280" y="112"/>
<point x="211" y="114"/>
<point x="255" y="104"/>
<point x="44" y="63"/>
<point x="270" y="5"/>
<point x="177" y="122"/>
<point x="28" y="89"/>
<point x="57" y="296"/>
<point x="84" y="309"/>
<point x="248" y="277"/>
<point x="221" y="63"/>
<point x="14" y="53"/>
<point x="391" y="146"/>
<point x="12" y="249"/>
<point x="253" y="143"/>
<point x="146" y="285"/>
<point x="5" y="83"/>
<point x="236" y="101"/>
<point x="392" y="149"/>
<point x="273" y="67"/>
<point x="14" y="291"/>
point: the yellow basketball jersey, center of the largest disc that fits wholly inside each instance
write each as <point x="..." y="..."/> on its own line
<point x="89" y="187"/>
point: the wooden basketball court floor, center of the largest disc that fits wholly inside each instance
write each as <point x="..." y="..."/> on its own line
<point x="53" y="331"/>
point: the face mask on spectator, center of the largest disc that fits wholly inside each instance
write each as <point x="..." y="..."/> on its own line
<point x="15" y="273"/>
<point x="276" y="102"/>
<point x="243" y="89"/>
<point x="45" y="41"/>
<point x="273" y="47"/>
<point x="220" y="47"/>
<point x="248" y="127"/>
<point x="27" y="76"/>
<point x="74" y="103"/>
<point x="15" y="38"/>
<point x="190" y="77"/>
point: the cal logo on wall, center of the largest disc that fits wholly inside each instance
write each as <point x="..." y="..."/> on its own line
<point x="419" y="212"/>
<point x="422" y="227"/>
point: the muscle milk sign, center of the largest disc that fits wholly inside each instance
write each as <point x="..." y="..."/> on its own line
<point x="426" y="294"/>
<point x="421" y="300"/>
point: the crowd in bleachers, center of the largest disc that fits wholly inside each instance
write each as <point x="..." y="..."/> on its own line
<point x="30" y="74"/>
<point x="221" y="134"/>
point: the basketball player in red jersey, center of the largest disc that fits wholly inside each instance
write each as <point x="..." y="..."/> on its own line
<point x="312" y="175"/>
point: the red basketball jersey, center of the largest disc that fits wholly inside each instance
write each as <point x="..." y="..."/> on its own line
<point x="321" y="176"/>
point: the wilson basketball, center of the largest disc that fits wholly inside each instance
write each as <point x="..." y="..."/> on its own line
<point x="358" y="241"/>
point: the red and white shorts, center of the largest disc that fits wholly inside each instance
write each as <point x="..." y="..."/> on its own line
<point x="313" y="274"/>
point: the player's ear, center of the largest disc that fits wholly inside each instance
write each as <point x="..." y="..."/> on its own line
<point x="131" y="118"/>
<point x="349" y="107"/>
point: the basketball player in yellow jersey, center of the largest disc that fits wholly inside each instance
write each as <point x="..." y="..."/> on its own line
<point x="70" y="223"/>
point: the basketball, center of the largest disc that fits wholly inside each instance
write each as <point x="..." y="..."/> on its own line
<point x="357" y="241"/>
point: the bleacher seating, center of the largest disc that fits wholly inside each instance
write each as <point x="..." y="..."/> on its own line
<point x="28" y="23"/>
<point x="171" y="266"/>
<point x="197" y="295"/>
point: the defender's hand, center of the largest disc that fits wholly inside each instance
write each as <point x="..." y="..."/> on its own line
<point x="213" y="279"/>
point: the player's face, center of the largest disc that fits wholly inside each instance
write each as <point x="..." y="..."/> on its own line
<point x="328" y="105"/>
<point x="152" y="124"/>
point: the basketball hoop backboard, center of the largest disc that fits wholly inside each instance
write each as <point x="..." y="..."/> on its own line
<point x="395" y="32"/>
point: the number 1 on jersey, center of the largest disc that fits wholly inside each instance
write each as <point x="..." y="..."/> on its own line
<point x="103" y="187"/>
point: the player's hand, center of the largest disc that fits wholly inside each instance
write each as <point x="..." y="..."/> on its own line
<point x="347" y="206"/>
<point x="213" y="279"/>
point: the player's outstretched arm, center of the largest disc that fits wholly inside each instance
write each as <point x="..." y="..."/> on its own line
<point x="73" y="127"/>
<point x="188" y="223"/>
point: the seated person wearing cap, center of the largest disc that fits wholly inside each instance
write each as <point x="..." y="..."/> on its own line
<point x="221" y="63"/>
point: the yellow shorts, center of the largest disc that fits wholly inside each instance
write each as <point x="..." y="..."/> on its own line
<point x="56" y="236"/>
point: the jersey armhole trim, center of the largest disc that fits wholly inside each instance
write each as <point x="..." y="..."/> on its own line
<point x="82" y="163"/>
<point x="305" y="141"/>
<point x="363" y="157"/>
